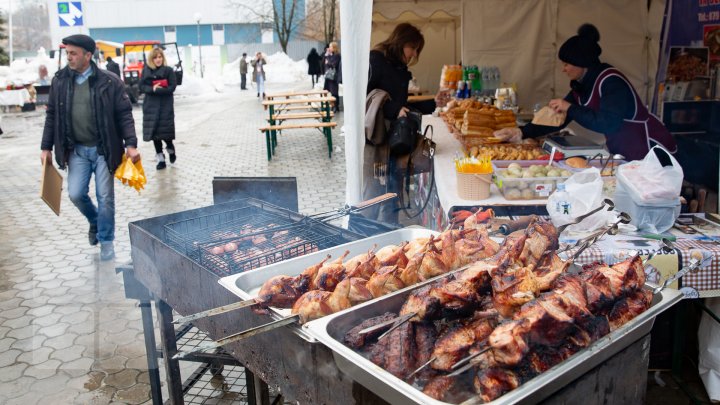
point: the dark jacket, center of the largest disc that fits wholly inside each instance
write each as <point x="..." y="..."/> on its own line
<point x="314" y="61"/>
<point x="113" y="67"/>
<point x="111" y="108"/>
<point x="391" y="76"/>
<point x="158" y="106"/>
<point x="333" y="61"/>
<point x="618" y="103"/>
<point x="243" y="66"/>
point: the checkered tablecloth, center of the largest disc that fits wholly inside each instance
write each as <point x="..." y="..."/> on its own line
<point x="707" y="279"/>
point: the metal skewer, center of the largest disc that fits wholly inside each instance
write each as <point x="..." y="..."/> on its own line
<point x="468" y="358"/>
<point x="241" y="335"/>
<point x="605" y="203"/>
<point x="216" y="311"/>
<point x="469" y="365"/>
<point x="398" y="322"/>
<point x="427" y="363"/>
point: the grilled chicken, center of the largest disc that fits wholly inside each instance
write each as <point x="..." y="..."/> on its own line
<point x="363" y="265"/>
<point x="392" y="255"/>
<point x="385" y="281"/>
<point x="330" y="274"/>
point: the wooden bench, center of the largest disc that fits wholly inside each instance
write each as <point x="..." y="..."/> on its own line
<point x="296" y="94"/>
<point x="300" y="116"/>
<point x="271" y="137"/>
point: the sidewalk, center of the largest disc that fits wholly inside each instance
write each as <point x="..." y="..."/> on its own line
<point x="67" y="334"/>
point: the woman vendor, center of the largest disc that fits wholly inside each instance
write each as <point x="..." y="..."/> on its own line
<point x="602" y="100"/>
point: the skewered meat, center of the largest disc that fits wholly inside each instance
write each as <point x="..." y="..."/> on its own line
<point x="416" y="246"/>
<point x="315" y="304"/>
<point x="357" y="340"/>
<point x="425" y="338"/>
<point x="629" y="307"/>
<point x="385" y="281"/>
<point x="432" y="264"/>
<point x="439" y="386"/>
<point x="282" y="291"/>
<point x="493" y="382"/>
<point x="400" y="355"/>
<point x="363" y="265"/>
<point x="449" y="254"/>
<point x="359" y="292"/>
<point x="452" y="345"/>
<point x="330" y="274"/>
<point x="392" y="255"/>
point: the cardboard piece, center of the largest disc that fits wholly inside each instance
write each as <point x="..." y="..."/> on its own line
<point x="51" y="186"/>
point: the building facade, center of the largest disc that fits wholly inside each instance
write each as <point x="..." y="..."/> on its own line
<point x="187" y="22"/>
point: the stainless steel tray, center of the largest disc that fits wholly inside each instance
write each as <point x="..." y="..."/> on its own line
<point x="246" y="285"/>
<point x="331" y="329"/>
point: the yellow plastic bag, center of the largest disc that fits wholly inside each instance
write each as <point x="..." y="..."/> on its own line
<point x="131" y="174"/>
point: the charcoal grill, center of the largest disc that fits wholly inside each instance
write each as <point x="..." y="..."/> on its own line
<point x="279" y="234"/>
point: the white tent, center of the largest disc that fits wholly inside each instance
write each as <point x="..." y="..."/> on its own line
<point x="521" y="37"/>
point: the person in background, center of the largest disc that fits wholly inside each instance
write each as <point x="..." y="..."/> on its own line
<point x="81" y="96"/>
<point x="601" y="99"/>
<point x="158" y="83"/>
<point x="243" y="71"/>
<point x="314" y="62"/>
<point x="333" y="72"/>
<point x="389" y="62"/>
<point x="258" y="65"/>
<point x="111" y="66"/>
<point x="43" y="76"/>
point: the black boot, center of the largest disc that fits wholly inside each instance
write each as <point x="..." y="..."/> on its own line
<point x="161" y="161"/>
<point x="173" y="157"/>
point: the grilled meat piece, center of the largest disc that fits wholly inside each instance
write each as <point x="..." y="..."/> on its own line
<point x="279" y="291"/>
<point x="425" y="338"/>
<point x="432" y="264"/>
<point x="438" y="387"/>
<point x="494" y="382"/>
<point x="312" y="305"/>
<point x="330" y="274"/>
<point x="363" y="265"/>
<point x="422" y="303"/>
<point x="509" y="346"/>
<point x="400" y="354"/>
<point x="452" y="345"/>
<point x="359" y="292"/>
<point x="629" y="307"/>
<point x="356" y="340"/>
<point x="384" y="281"/>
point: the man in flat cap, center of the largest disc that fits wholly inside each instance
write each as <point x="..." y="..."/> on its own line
<point x="89" y="123"/>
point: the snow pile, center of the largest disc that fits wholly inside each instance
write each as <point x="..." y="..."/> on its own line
<point x="25" y="71"/>
<point x="279" y="69"/>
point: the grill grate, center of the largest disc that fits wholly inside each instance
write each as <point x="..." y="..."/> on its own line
<point x="218" y="243"/>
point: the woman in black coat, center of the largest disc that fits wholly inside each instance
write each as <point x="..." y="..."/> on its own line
<point x="331" y="66"/>
<point x="314" y="61"/>
<point x="158" y="83"/>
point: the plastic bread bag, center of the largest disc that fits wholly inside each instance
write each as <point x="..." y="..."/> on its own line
<point x="131" y="174"/>
<point x="656" y="179"/>
<point x="583" y="193"/>
<point x="547" y="116"/>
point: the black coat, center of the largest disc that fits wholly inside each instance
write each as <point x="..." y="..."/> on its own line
<point x="391" y="76"/>
<point x="158" y="108"/>
<point x="113" y="67"/>
<point x="111" y="108"/>
<point x="314" y="61"/>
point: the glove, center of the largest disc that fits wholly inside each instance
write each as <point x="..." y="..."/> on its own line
<point x="512" y="135"/>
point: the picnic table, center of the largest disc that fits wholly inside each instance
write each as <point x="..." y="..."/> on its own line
<point x="313" y="105"/>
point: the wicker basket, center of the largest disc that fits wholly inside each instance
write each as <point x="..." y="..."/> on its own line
<point x="473" y="186"/>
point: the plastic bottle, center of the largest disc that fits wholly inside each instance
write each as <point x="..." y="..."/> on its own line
<point x="562" y="200"/>
<point x="487" y="78"/>
<point x="460" y="89"/>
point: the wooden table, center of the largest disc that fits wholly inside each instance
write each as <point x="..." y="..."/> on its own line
<point x="315" y="105"/>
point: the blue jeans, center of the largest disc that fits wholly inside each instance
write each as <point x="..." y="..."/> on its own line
<point x="84" y="161"/>
<point x="260" y="84"/>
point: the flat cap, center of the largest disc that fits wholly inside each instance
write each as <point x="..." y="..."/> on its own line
<point x="83" y="41"/>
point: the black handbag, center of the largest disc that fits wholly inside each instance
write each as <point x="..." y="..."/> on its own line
<point x="403" y="135"/>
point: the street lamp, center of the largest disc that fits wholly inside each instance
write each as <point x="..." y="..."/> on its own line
<point x="198" y="17"/>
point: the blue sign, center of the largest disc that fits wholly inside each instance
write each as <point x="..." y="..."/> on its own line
<point x="70" y="13"/>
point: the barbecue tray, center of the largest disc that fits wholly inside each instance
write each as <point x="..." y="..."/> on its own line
<point x="331" y="330"/>
<point x="246" y="285"/>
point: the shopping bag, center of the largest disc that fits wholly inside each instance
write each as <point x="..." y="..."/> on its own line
<point x="583" y="193"/>
<point x="131" y="174"/>
<point x="649" y="181"/>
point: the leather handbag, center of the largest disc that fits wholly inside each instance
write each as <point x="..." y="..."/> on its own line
<point x="403" y="136"/>
<point x="331" y="73"/>
<point x="421" y="159"/>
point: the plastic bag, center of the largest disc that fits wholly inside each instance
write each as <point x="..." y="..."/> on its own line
<point x="131" y="174"/>
<point x="648" y="181"/>
<point x="583" y="193"/>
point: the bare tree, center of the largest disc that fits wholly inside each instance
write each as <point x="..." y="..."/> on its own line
<point x="282" y="14"/>
<point x="30" y="24"/>
<point x="322" y="22"/>
<point x="4" y="58"/>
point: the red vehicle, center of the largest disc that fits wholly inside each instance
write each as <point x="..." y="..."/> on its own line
<point x="134" y="59"/>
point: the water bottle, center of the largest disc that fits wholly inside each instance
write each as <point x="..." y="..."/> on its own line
<point x="460" y="90"/>
<point x="496" y="77"/>
<point x="487" y="78"/>
<point x="562" y="201"/>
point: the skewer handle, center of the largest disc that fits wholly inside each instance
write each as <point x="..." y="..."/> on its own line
<point x="377" y="200"/>
<point x="215" y="311"/>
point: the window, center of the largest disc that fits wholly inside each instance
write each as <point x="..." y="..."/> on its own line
<point x="218" y="27"/>
<point x="169" y="28"/>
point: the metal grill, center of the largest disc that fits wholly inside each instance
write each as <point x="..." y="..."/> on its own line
<point x="219" y="242"/>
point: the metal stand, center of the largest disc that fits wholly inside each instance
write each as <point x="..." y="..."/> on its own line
<point x="257" y="390"/>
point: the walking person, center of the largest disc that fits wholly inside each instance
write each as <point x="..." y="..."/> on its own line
<point x="111" y="66"/>
<point x="331" y="65"/>
<point x="243" y="71"/>
<point x="258" y="65"/>
<point x="314" y="61"/>
<point x="81" y="97"/>
<point x="158" y="83"/>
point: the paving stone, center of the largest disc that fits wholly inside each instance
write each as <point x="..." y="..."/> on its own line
<point x="50" y="385"/>
<point x="36" y="356"/>
<point x="102" y="395"/>
<point x="15" y="312"/>
<point x="62" y="341"/>
<point x="123" y="379"/>
<point x="19" y="322"/>
<point x="47" y="320"/>
<point x="110" y="365"/>
<point x="10" y="374"/>
<point x="31" y="343"/>
<point x="137" y="363"/>
<point x="54" y="330"/>
<point x="3" y="332"/>
<point x="8" y="357"/>
<point x="78" y="367"/>
<point x="29" y="398"/>
<point x="22" y="333"/>
<point x="136" y="394"/>
<point x="43" y="370"/>
<point x="50" y="284"/>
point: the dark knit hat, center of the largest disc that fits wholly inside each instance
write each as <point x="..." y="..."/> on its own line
<point x="83" y="41"/>
<point x="583" y="49"/>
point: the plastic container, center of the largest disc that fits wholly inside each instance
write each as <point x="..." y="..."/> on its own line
<point x="653" y="218"/>
<point x="526" y="188"/>
<point x="473" y="186"/>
